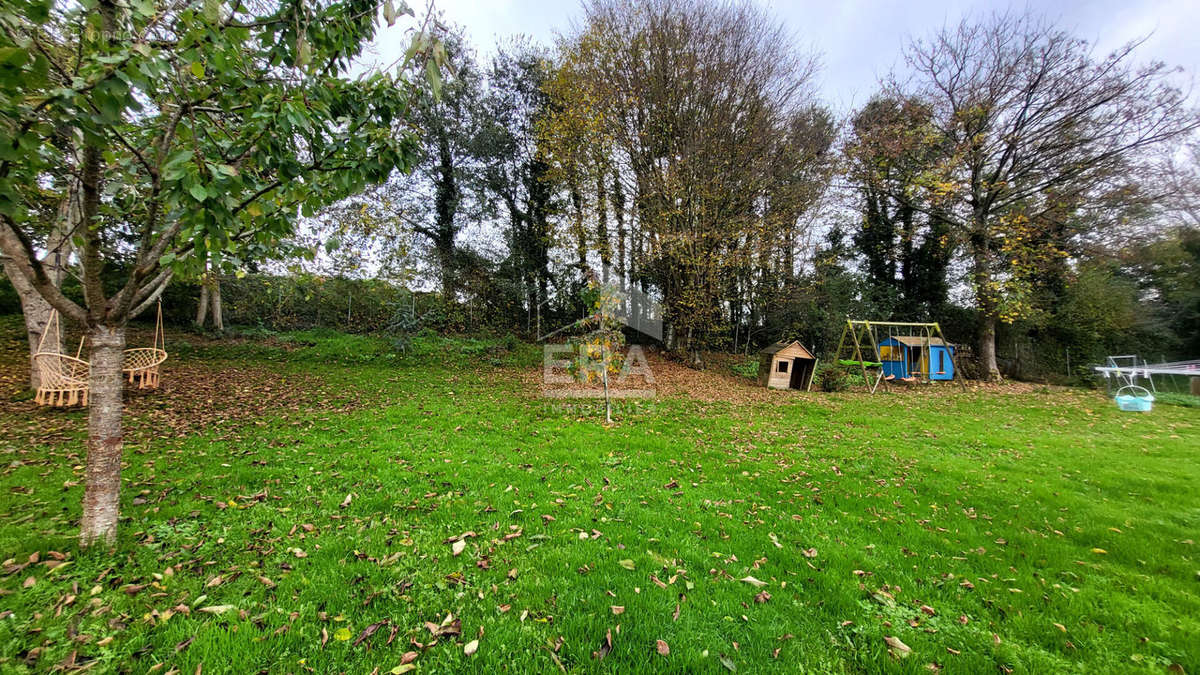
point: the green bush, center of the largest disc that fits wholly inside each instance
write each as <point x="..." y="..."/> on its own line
<point x="1171" y="398"/>
<point x="747" y="367"/>
<point x="833" y="379"/>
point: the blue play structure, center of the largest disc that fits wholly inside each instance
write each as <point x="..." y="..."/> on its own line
<point x="907" y="358"/>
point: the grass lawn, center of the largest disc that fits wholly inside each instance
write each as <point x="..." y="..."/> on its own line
<point x="317" y="503"/>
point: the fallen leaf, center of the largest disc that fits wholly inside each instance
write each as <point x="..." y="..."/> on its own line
<point x="753" y="582"/>
<point x="605" y="647"/>
<point x="458" y="546"/>
<point x="369" y="631"/>
<point x="408" y="657"/>
<point x="662" y="647"/>
<point x="346" y="501"/>
<point x="762" y="597"/>
<point x="926" y="609"/>
<point x="809" y="552"/>
<point x="627" y="563"/>
<point x="1099" y="551"/>
<point x="402" y="668"/>
<point x="618" y="609"/>
<point x="216" y="609"/>
<point x="728" y="663"/>
<point x="342" y="634"/>
<point x="1060" y="627"/>
<point x="897" y="648"/>
<point x="471" y="647"/>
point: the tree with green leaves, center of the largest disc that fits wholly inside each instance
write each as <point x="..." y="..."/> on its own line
<point x="198" y="133"/>
<point x="514" y="170"/>
<point x="904" y="244"/>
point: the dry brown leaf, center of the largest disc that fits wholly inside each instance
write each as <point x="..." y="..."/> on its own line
<point x="897" y="648"/>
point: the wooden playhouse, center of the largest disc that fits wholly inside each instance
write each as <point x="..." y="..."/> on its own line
<point x="907" y="358"/>
<point x="786" y="365"/>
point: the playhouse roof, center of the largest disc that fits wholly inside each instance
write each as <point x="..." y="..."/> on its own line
<point x="782" y="346"/>
<point x="917" y="341"/>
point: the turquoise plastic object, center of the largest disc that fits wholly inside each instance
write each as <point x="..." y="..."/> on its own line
<point x="1132" y="398"/>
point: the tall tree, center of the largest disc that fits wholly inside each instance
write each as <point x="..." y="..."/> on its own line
<point x="205" y="129"/>
<point x="903" y="241"/>
<point x="515" y="171"/>
<point x="449" y="168"/>
<point x="1037" y="127"/>
<point x="697" y="157"/>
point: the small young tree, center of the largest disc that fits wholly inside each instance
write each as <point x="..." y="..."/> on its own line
<point x="197" y="133"/>
<point x="600" y="346"/>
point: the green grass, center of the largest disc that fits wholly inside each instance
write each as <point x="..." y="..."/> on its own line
<point x="1048" y="532"/>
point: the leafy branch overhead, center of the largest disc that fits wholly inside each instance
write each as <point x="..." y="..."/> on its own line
<point x="209" y="128"/>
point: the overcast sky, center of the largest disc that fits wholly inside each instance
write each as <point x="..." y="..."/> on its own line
<point x="859" y="41"/>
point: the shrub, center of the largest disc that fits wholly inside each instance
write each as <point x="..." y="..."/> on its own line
<point x="833" y="378"/>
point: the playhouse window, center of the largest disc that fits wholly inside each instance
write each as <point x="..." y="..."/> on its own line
<point x="782" y="367"/>
<point x="941" y="361"/>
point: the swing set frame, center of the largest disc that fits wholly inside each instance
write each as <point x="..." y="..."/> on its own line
<point x="862" y="332"/>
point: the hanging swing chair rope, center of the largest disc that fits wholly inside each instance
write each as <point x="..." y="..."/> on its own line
<point x="140" y="365"/>
<point x="62" y="380"/>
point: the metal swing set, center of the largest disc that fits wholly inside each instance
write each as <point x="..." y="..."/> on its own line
<point x="904" y="356"/>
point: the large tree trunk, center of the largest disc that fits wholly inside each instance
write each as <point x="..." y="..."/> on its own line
<point x="987" y="349"/>
<point x="214" y="297"/>
<point x="101" y="497"/>
<point x="202" y="308"/>
<point x="37" y="314"/>
<point x="33" y="306"/>
<point x="985" y="301"/>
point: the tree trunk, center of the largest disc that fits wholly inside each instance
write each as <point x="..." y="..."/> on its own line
<point x="577" y="226"/>
<point x="987" y="349"/>
<point x="101" y="497"/>
<point x="445" y="256"/>
<point x="33" y="306"/>
<point x="618" y="197"/>
<point x="985" y="303"/>
<point x="37" y="314"/>
<point x="202" y="309"/>
<point x="214" y="297"/>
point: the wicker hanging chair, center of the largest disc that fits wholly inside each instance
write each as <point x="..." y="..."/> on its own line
<point x="62" y="379"/>
<point x="140" y="365"/>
